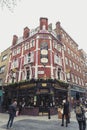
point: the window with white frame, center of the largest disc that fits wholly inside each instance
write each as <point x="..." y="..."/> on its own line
<point x="29" y="58"/>
<point x="66" y="60"/>
<point x="59" y="47"/>
<point x="32" y="43"/>
<point x="70" y="63"/>
<point x="54" y="44"/>
<point x="65" y="47"/>
<point x="72" y="77"/>
<point x="79" y="81"/>
<point x="68" y="51"/>
<point x="2" y="68"/>
<point x="68" y="76"/>
<point x="57" y="60"/>
<point x="18" y="50"/>
<point x="14" y="64"/>
<point x="4" y="57"/>
<point x="14" y="52"/>
<point x="82" y="82"/>
<point x="26" y="46"/>
<point x="23" y="75"/>
<point x="73" y="65"/>
<point x="76" y="79"/>
<point x="77" y="67"/>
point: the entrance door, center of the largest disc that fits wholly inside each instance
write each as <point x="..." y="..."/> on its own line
<point x="44" y="102"/>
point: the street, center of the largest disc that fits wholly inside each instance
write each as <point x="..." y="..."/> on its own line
<point x="37" y="123"/>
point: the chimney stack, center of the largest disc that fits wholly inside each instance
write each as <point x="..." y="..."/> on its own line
<point x="58" y="30"/>
<point x="26" y="32"/>
<point x="15" y="38"/>
<point x="57" y="25"/>
<point x="43" y="24"/>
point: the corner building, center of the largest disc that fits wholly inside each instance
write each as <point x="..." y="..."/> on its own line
<point x="36" y="67"/>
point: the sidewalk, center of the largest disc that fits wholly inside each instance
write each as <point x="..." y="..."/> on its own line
<point x="37" y="122"/>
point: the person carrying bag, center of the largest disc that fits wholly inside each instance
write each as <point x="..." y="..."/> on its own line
<point x="80" y="116"/>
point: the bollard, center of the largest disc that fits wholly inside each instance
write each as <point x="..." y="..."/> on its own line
<point x="49" y="113"/>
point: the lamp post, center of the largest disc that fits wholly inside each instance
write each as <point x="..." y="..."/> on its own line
<point x="68" y="77"/>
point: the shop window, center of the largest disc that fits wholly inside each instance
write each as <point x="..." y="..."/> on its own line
<point x="29" y="55"/>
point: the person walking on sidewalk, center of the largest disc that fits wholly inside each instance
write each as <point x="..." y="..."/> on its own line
<point x="65" y="113"/>
<point x="80" y="116"/>
<point x="12" y="114"/>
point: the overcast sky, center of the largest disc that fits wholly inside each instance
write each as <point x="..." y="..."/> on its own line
<point x="71" y="13"/>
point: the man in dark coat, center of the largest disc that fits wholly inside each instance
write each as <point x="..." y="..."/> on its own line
<point x="12" y="114"/>
<point x="65" y="113"/>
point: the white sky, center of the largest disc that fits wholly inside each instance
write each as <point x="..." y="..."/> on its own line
<point x="71" y="13"/>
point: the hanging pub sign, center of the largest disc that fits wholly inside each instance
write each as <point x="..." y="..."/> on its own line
<point x="44" y="60"/>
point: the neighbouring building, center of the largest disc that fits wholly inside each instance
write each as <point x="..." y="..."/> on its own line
<point x="4" y="59"/>
<point x="74" y="63"/>
<point x="83" y="56"/>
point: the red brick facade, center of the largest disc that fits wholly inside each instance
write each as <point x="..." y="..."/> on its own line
<point x="40" y="52"/>
<point x="36" y="55"/>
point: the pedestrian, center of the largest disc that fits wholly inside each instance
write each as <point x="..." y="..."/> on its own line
<point x="23" y="103"/>
<point x="20" y="107"/>
<point x="80" y="115"/>
<point x="86" y="103"/>
<point x="65" y="112"/>
<point x="12" y="114"/>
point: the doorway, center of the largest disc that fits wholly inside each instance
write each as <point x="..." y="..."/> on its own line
<point x="44" y="101"/>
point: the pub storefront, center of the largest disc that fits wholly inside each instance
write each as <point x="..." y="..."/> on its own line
<point x="39" y="96"/>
